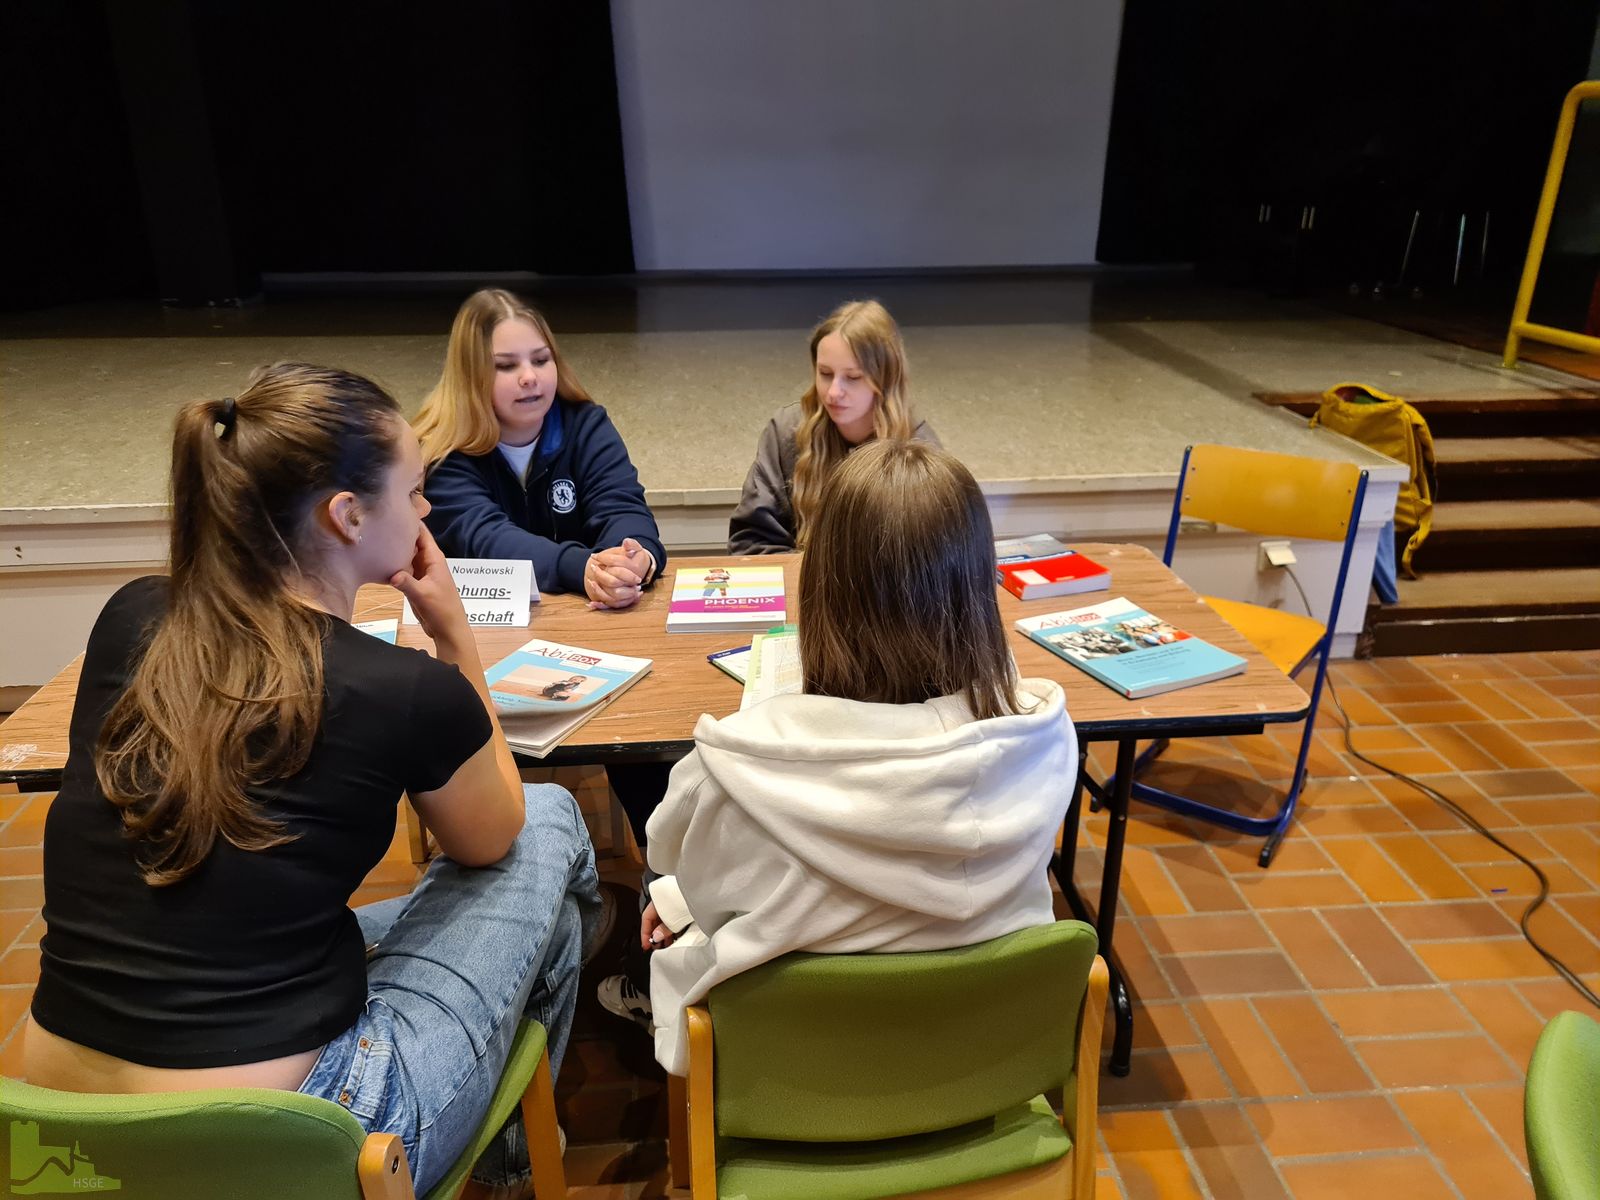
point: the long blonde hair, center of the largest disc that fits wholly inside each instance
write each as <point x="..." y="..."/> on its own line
<point x="874" y="340"/>
<point x="229" y="693"/>
<point x="459" y="413"/>
<point x="897" y="593"/>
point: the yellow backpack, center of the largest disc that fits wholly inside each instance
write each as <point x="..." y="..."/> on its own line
<point x="1394" y="428"/>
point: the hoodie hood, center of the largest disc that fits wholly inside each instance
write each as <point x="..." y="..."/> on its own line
<point x="918" y="806"/>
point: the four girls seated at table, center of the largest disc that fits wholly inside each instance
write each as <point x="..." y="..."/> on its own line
<point x="238" y="749"/>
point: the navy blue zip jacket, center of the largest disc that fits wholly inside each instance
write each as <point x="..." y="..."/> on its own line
<point x="582" y="495"/>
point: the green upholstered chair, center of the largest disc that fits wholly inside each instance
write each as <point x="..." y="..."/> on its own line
<point x="841" y="1077"/>
<point x="1561" y="1109"/>
<point x="253" y="1143"/>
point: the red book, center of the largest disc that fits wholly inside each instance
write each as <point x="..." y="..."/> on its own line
<point x="1059" y="575"/>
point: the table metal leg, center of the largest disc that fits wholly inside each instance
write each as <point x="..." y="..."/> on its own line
<point x="1110" y="879"/>
<point x="1066" y="861"/>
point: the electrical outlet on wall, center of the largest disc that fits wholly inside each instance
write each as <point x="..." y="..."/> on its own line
<point x="1275" y="554"/>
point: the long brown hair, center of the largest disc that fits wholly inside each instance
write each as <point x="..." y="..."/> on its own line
<point x="459" y="413"/>
<point x="874" y="340"/>
<point x="897" y="599"/>
<point x="229" y="693"/>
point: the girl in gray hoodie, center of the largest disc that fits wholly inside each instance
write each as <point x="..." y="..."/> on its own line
<point x="857" y="395"/>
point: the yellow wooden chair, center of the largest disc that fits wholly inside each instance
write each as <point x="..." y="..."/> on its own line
<point x="849" y="1076"/>
<point x="1280" y="496"/>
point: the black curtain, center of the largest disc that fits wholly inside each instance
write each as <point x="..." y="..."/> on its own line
<point x="185" y="149"/>
<point x="1369" y="109"/>
<point x="71" y="223"/>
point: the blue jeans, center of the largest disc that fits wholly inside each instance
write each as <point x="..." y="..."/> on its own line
<point x="458" y="964"/>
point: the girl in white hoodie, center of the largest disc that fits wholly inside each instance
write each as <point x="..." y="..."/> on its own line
<point x="908" y="799"/>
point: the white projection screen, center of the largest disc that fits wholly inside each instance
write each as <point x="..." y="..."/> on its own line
<point x="863" y="134"/>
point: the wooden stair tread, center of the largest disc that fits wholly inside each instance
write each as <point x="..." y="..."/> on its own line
<point x="1459" y="515"/>
<point x="1515" y="449"/>
<point x="1567" y="401"/>
<point x="1573" y="586"/>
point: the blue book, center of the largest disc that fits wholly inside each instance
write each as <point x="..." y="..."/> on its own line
<point x="1129" y="650"/>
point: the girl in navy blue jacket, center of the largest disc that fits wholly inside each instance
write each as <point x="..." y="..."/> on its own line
<point x="523" y="464"/>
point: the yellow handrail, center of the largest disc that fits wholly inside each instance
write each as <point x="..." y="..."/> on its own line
<point x="1521" y="327"/>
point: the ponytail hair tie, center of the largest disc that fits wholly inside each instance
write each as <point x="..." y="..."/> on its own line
<point x="224" y="423"/>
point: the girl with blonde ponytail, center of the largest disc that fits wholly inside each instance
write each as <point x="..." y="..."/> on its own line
<point x="237" y="753"/>
<point x="858" y="394"/>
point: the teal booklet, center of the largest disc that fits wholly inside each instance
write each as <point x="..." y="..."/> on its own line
<point x="1130" y="650"/>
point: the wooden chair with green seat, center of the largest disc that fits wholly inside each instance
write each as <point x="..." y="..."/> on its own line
<point x="1277" y="496"/>
<point x="1561" y="1109"/>
<point x="255" y="1143"/>
<point x="842" y="1077"/>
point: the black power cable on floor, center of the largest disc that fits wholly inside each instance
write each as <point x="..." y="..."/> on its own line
<point x="1465" y="818"/>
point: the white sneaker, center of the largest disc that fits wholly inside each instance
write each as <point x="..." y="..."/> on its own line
<point x="618" y="995"/>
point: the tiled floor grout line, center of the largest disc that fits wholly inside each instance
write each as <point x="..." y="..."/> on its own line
<point x="1195" y="1173"/>
<point x="1494" y="1131"/>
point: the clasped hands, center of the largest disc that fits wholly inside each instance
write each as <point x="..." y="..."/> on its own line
<point x="615" y="578"/>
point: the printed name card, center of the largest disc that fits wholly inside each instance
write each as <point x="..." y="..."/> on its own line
<point x="494" y="591"/>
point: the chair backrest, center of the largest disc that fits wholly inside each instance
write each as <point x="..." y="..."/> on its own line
<point x="243" y="1143"/>
<point x="1282" y="495"/>
<point x="1561" y="1109"/>
<point x="857" y="1047"/>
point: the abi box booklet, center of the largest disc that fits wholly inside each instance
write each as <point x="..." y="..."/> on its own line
<point x="1129" y="650"/>
<point x="546" y="677"/>
<point x="544" y="691"/>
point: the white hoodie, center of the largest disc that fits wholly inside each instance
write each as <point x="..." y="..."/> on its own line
<point x="814" y="823"/>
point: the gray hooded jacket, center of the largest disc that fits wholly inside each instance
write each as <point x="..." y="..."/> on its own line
<point x="764" y="521"/>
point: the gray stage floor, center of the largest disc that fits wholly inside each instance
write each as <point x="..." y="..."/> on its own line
<point x="1031" y="379"/>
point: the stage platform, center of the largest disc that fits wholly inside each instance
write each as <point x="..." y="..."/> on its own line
<point x="1071" y="398"/>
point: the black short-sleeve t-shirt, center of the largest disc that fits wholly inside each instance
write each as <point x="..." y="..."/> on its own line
<point x="255" y="955"/>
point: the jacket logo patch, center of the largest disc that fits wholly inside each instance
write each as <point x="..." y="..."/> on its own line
<point x="563" y="496"/>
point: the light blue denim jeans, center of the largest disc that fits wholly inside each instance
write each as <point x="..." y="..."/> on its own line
<point x="459" y="962"/>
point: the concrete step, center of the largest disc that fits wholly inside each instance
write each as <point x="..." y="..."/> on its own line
<point x="1466" y="612"/>
<point x="1571" y="413"/>
<point x="1572" y="589"/>
<point x="1470" y="535"/>
<point x="1456" y="450"/>
<point x="1500" y="468"/>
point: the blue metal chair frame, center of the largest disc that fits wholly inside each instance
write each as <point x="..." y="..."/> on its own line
<point x="1275" y="827"/>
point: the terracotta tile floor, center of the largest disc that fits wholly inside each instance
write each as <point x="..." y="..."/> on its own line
<point x="1356" y="1020"/>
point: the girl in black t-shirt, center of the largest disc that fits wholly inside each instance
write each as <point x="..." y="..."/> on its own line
<point x="237" y="753"/>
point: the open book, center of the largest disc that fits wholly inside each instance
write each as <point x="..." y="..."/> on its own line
<point x="774" y="668"/>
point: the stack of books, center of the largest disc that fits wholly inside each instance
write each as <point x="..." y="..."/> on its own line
<point x="543" y="691"/>
<point x="1037" y="567"/>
